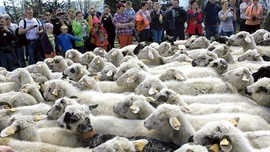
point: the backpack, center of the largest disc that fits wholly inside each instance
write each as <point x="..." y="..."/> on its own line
<point x="21" y="38"/>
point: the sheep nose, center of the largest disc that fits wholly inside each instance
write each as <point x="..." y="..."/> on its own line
<point x="186" y="46"/>
<point x="64" y="75"/>
<point x="247" y="92"/>
<point x="193" y="63"/>
<point x="162" y="98"/>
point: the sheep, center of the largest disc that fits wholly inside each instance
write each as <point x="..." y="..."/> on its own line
<point x="115" y="56"/>
<point x="172" y="122"/>
<point x="259" y="35"/>
<point x="224" y="51"/>
<point x="74" y="55"/>
<point x="118" y="126"/>
<point x="163" y="47"/>
<point x="2" y="78"/>
<point x="33" y="90"/>
<point x="134" y="107"/>
<point x="21" y="127"/>
<point x="154" y="45"/>
<point x="224" y="135"/>
<point x="240" y="78"/>
<point x="263" y="71"/>
<point x="259" y="92"/>
<point x="197" y="43"/>
<point x="138" y="48"/>
<point x="173" y="74"/>
<point x="58" y="64"/>
<point x="99" y="51"/>
<point x="42" y="68"/>
<point x="17" y="99"/>
<point x="39" y="78"/>
<point x="87" y="57"/>
<point x="178" y="58"/>
<point x="18" y="77"/>
<point x="171" y="97"/>
<point x="150" y="56"/>
<point x="258" y="139"/>
<point x="96" y="65"/>
<point x="107" y="73"/>
<point x="191" y="147"/>
<point x="88" y="83"/>
<point x="75" y="72"/>
<point x="251" y="55"/>
<point x="204" y="59"/>
<point x="150" y="86"/>
<point x="243" y="107"/>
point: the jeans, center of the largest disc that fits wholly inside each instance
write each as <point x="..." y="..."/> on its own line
<point x="222" y="33"/>
<point x="33" y="52"/>
<point x="20" y="55"/>
<point x="6" y="60"/>
<point x="178" y="32"/>
<point x="210" y="31"/>
<point x="157" y="35"/>
<point x="144" y="35"/>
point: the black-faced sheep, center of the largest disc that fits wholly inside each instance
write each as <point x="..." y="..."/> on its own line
<point x="263" y="71"/>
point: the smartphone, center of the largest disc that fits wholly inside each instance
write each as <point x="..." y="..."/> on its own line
<point x="35" y="26"/>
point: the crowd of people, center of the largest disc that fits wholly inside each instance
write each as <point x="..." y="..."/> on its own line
<point x="56" y="31"/>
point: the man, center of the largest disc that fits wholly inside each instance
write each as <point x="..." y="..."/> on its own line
<point x="6" y="37"/>
<point x="232" y="5"/>
<point x="211" y="21"/>
<point x="177" y="17"/>
<point x="32" y="28"/>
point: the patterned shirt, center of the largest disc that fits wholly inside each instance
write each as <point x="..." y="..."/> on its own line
<point x="121" y="19"/>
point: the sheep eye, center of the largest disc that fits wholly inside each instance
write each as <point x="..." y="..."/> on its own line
<point x="72" y="70"/>
<point x="240" y="36"/>
<point x="237" y="74"/>
<point x="56" y="61"/>
<point x="50" y="89"/>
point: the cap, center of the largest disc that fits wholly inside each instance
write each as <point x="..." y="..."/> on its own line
<point x="64" y="27"/>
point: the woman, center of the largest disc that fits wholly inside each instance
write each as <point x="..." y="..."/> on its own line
<point x="253" y="15"/>
<point x="226" y="16"/>
<point x="195" y="19"/>
<point x="123" y="26"/>
<point x="143" y="18"/>
<point x="100" y="34"/>
<point x="49" y="41"/>
<point x="157" y="22"/>
<point x="107" y="22"/>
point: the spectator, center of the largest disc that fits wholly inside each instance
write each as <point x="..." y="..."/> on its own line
<point x="123" y="26"/>
<point x="157" y="22"/>
<point x="150" y="6"/>
<point x="99" y="34"/>
<point x="19" y="50"/>
<point x="92" y="13"/>
<point x="64" y="40"/>
<point x="211" y="21"/>
<point x="47" y="17"/>
<point x="32" y="31"/>
<point x="81" y="30"/>
<point x="166" y="22"/>
<point x="226" y="16"/>
<point x="266" y="23"/>
<point x="55" y="21"/>
<point x="6" y="37"/>
<point x="49" y="41"/>
<point x="235" y="22"/>
<point x="143" y="20"/>
<point x="107" y="22"/>
<point x="41" y="19"/>
<point x="243" y="7"/>
<point x="254" y="13"/>
<point x="195" y="19"/>
<point x="129" y="11"/>
<point x="177" y="17"/>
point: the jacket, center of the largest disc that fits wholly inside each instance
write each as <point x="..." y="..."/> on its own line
<point x="174" y="20"/>
<point x="192" y="17"/>
<point x="46" y="44"/>
<point x="77" y="30"/>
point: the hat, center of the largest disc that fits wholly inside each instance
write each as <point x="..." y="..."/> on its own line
<point x="96" y="20"/>
<point x="52" y="10"/>
<point x="48" y="25"/>
<point x="64" y="27"/>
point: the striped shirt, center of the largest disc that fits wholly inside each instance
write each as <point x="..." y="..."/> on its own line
<point x="121" y="19"/>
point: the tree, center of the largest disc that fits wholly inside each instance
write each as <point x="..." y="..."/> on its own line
<point x="112" y="4"/>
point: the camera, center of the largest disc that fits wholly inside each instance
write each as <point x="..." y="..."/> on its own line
<point x="35" y="25"/>
<point x="253" y="18"/>
<point x="232" y="9"/>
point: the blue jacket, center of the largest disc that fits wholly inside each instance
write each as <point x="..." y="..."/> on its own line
<point x="64" y="41"/>
<point x="210" y="13"/>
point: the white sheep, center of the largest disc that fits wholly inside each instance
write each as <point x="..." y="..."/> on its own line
<point x="75" y="72"/>
<point x="204" y="59"/>
<point x="107" y="73"/>
<point x="251" y="55"/>
<point x="88" y="83"/>
<point x="58" y="64"/>
<point x="134" y="107"/>
<point x="115" y="56"/>
<point x="74" y="55"/>
<point x="33" y="90"/>
<point x="17" y="99"/>
<point x="173" y="74"/>
<point x="259" y="35"/>
<point x="259" y="92"/>
<point x="191" y="147"/>
<point x="197" y="43"/>
<point x="87" y="57"/>
<point x="150" y="56"/>
<point x="240" y="78"/>
<point x="96" y="65"/>
<point x="39" y="78"/>
<point x="42" y="68"/>
<point x="258" y="139"/>
<point x="224" y="51"/>
<point x="224" y="135"/>
<point x="163" y="47"/>
<point x="99" y="51"/>
<point x="150" y="86"/>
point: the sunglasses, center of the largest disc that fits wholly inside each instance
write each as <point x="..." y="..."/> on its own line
<point x="47" y="14"/>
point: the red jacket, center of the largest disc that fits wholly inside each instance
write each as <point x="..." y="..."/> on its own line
<point x="194" y="17"/>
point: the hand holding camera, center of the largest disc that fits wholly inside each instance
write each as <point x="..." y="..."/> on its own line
<point x="232" y="9"/>
<point x="253" y="18"/>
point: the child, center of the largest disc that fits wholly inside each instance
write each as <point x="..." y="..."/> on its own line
<point x="99" y="33"/>
<point x="65" y="40"/>
<point x="49" y="41"/>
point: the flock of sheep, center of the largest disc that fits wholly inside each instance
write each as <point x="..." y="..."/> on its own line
<point x="182" y="96"/>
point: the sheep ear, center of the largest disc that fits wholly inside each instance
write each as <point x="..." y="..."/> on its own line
<point x="74" y="117"/>
<point x="139" y="144"/>
<point x="131" y="79"/>
<point x="114" y="53"/>
<point x="93" y="107"/>
<point x="214" y="148"/>
<point x="55" y="92"/>
<point x="245" y="77"/>
<point x="109" y="73"/>
<point x="179" y="77"/>
<point x="174" y="122"/>
<point x="248" y="38"/>
<point x="39" y="117"/>
<point x="235" y="121"/>
<point x="150" y="99"/>
<point x="152" y="91"/>
<point x="10" y="130"/>
<point x="134" y="109"/>
<point x="151" y="55"/>
<point x="225" y="145"/>
<point x="186" y="109"/>
<point x="88" y="84"/>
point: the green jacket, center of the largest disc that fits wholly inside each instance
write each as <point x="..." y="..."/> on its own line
<point x="77" y="30"/>
<point x="266" y="23"/>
